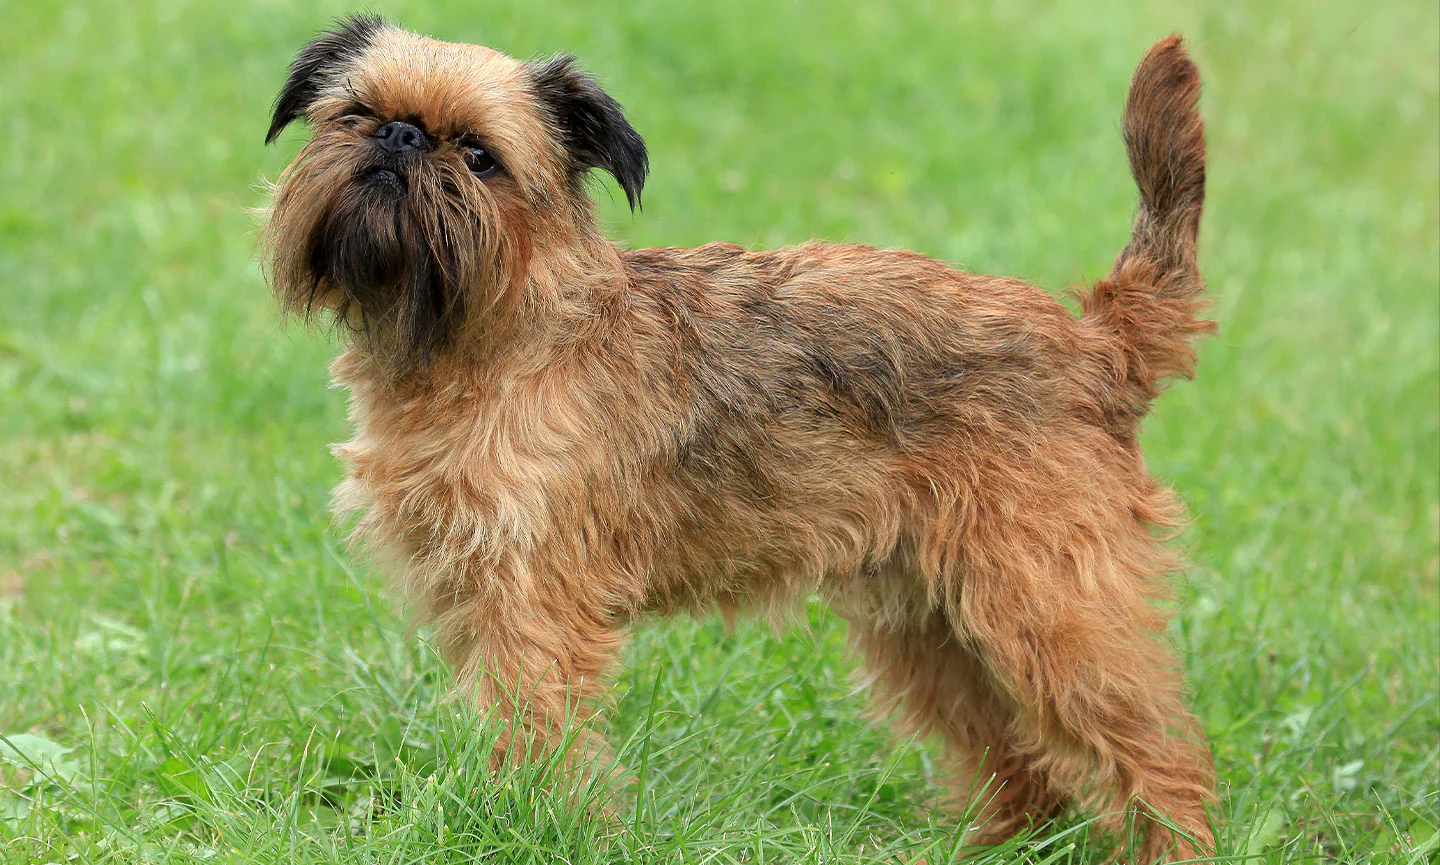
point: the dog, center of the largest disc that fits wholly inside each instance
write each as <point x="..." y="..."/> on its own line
<point x="554" y="436"/>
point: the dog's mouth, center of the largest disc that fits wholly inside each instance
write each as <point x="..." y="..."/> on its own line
<point x="384" y="178"/>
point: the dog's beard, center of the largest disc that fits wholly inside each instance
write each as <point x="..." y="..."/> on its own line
<point x="403" y="290"/>
<point x="395" y="258"/>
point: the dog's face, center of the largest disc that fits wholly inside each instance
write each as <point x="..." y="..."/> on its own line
<point x="437" y="174"/>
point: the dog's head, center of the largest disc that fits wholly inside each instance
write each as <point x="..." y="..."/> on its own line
<point x="438" y="175"/>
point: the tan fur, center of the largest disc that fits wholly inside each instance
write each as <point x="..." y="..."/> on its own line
<point x="949" y="459"/>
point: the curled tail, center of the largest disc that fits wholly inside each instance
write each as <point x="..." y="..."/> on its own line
<point x="1149" y="307"/>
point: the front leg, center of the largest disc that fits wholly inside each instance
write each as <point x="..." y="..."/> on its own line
<point x="540" y="654"/>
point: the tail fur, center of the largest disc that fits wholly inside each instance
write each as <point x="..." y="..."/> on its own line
<point x="1150" y="304"/>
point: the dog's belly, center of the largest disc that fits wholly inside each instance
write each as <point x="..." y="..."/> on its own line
<point x="760" y="524"/>
<point x="747" y="557"/>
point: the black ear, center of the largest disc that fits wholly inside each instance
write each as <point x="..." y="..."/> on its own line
<point x="310" y="68"/>
<point x="594" y="125"/>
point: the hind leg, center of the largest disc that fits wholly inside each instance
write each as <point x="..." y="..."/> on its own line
<point x="924" y="677"/>
<point x="1061" y="612"/>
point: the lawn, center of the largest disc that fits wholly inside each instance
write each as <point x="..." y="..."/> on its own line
<point x="193" y="669"/>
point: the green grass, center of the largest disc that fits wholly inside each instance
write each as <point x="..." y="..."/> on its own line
<point x="196" y="673"/>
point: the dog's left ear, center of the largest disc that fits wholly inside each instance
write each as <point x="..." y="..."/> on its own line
<point x="596" y="133"/>
<point x="327" y="53"/>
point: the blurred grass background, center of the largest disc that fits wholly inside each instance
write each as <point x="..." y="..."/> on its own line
<point x="201" y="675"/>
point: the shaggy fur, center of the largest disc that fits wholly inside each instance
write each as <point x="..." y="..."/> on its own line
<point x="555" y="436"/>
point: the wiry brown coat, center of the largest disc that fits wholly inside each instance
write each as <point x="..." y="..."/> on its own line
<point x="554" y="436"/>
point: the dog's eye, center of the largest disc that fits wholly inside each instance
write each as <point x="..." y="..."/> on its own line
<point x="352" y="115"/>
<point x="479" y="161"/>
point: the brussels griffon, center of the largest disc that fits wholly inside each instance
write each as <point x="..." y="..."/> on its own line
<point x="554" y="435"/>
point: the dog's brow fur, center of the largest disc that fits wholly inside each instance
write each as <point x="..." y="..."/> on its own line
<point x="555" y="436"/>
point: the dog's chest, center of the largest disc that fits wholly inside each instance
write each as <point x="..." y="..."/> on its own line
<point x="460" y="472"/>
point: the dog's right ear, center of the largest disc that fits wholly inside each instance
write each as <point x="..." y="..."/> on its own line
<point x="329" y="51"/>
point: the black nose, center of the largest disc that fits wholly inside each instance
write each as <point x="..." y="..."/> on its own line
<point x="397" y="136"/>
